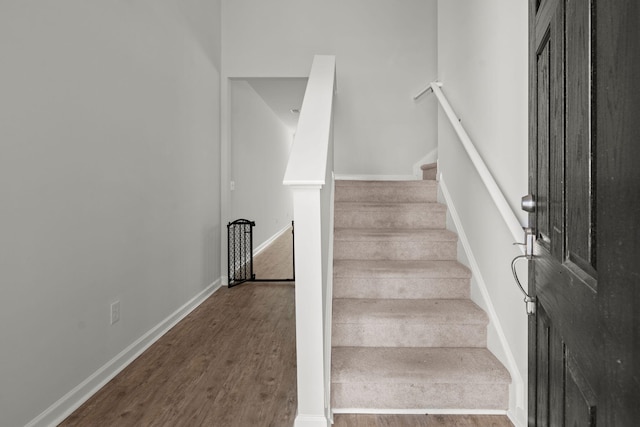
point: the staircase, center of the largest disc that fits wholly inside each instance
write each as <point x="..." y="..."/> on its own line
<point x="405" y="334"/>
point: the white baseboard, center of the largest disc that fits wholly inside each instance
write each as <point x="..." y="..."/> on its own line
<point x="516" y="421"/>
<point x="516" y="376"/>
<point x="434" y="411"/>
<point x="71" y="401"/>
<point x="311" y="421"/>
<point x="347" y="177"/>
<point x="269" y="241"/>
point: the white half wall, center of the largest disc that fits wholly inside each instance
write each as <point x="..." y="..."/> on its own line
<point x="483" y="63"/>
<point x="385" y="53"/>
<point x="109" y="183"/>
<point x="260" y="144"/>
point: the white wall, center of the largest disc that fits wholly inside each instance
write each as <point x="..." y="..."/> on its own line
<point x="385" y="53"/>
<point x="482" y="56"/>
<point x="482" y="61"/>
<point x="109" y="182"/>
<point x="260" y="145"/>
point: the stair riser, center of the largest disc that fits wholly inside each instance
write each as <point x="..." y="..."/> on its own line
<point x="430" y="174"/>
<point x="403" y="219"/>
<point x="419" y="396"/>
<point x="401" y="334"/>
<point x="385" y="194"/>
<point x="392" y="288"/>
<point x="381" y="250"/>
<point x="400" y="288"/>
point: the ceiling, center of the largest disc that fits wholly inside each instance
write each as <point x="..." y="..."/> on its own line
<point x="281" y="94"/>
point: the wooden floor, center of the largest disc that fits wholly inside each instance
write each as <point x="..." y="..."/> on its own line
<point x="230" y="363"/>
<point x="276" y="261"/>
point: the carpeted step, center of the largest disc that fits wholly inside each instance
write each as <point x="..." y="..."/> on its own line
<point x="400" y="279"/>
<point x="408" y="323"/>
<point x="389" y="215"/>
<point x="386" y="191"/>
<point x="405" y="334"/>
<point x="417" y="378"/>
<point x="429" y="171"/>
<point x="390" y="244"/>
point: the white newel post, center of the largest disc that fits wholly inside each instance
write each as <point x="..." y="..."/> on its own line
<point x="310" y="165"/>
<point x="309" y="311"/>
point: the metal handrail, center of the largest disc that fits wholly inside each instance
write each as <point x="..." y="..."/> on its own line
<point x="422" y="92"/>
<point x="498" y="198"/>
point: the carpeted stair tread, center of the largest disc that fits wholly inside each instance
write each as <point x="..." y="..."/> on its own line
<point x="397" y="184"/>
<point x="400" y="279"/>
<point x="394" y="244"/>
<point x="374" y="206"/>
<point x="418" y="311"/>
<point x="417" y="378"/>
<point x="386" y="191"/>
<point x="408" y="323"/>
<point x="389" y="215"/>
<point x="429" y="171"/>
<point x="368" y="234"/>
<point x="416" y="365"/>
<point x="400" y="269"/>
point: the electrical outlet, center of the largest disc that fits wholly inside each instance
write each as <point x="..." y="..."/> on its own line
<point x="232" y="185"/>
<point x="115" y="312"/>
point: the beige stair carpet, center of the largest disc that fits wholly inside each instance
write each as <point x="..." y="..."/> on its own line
<point x="405" y="334"/>
<point x="429" y="171"/>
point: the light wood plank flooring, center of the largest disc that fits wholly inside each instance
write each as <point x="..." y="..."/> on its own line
<point x="230" y="363"/>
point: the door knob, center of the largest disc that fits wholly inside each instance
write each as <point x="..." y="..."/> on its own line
<point x="528" y="203"/>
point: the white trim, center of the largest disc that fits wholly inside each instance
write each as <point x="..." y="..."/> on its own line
<point x="346" y="177"/>
<point x="328" y="319"/>
<point x="304" y="183"/>
<point x="225" y="167"/>
<point x="430" y="157"/>
<point x="269" y="241"/>
<point x="517" y="422"/>
<point x="422" y="92"/>
<point x="311" y="421"/>
<point x="434" y="411"/>
<point x="71" y="401"/>
<point x="306" y="174"/>
<point x="307" y="163"/>
<point x="309" y="305"/>
<point x="516" y="376"/>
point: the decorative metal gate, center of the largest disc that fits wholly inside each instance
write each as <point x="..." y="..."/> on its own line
<point x="240" y="253"/>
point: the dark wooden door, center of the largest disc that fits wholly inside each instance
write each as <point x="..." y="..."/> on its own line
<point x="584" y="341"/>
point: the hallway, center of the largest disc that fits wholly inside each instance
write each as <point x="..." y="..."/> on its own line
<point x="231" y="362"/>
